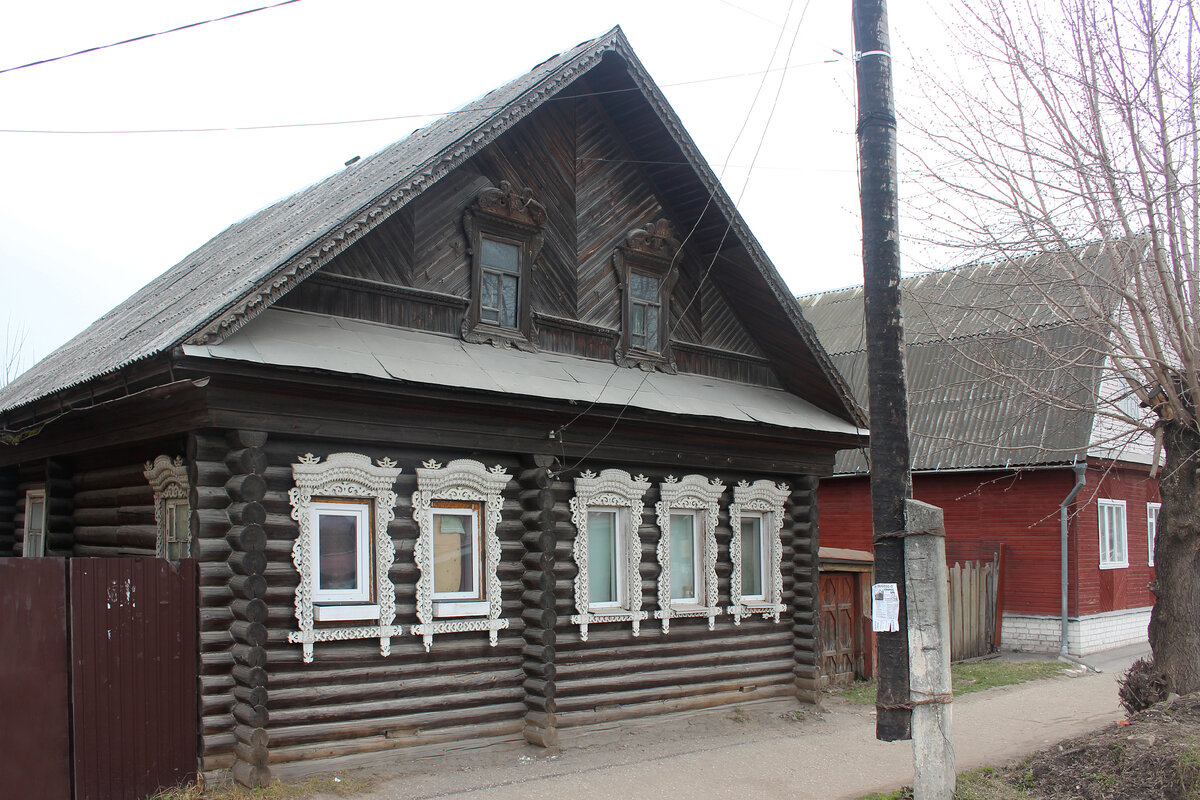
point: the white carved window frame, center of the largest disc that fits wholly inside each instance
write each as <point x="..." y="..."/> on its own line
<point x="767" y="499"/>
<point x="462" y="480"/>
<point x="612" y="488"/>
<point x="168" y="479"/>
<point x="344" y="476"/>
<point x="697" y="494"/>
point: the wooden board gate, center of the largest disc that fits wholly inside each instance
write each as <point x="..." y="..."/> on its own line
<point x="97" y="676"/>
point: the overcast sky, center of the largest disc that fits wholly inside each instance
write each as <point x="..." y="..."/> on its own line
<point x="88" y="218"/>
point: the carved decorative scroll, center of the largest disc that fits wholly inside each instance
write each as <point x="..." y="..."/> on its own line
<point x="613" y="488"/>
<point x="693" y="493"/>
<point x="467" y="481"/>
<point x="344" y="475"/>
<point x="169" y="481"/>
<point x="766" y="498"/>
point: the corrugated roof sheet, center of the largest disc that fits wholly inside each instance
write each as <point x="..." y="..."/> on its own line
<point x="978" y="369"/>
<point x="314" y="341"/>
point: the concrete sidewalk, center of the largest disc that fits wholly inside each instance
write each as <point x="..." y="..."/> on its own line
<point x="766" y="751"/>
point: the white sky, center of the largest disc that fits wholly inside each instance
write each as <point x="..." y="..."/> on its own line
<point x="86" y="220"/>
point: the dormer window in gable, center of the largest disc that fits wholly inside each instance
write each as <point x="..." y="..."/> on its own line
<point x="647" y="267"/>
<point x="504" y="238"/>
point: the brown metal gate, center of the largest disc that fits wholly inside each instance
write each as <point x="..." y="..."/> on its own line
<point x="127" y="651"/>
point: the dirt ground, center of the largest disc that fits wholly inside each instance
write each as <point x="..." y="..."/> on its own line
<point x="1155" y="755"/>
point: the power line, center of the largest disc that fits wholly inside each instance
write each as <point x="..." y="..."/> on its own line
<point x="285" y="125"/>
<point x="146" y="36"/>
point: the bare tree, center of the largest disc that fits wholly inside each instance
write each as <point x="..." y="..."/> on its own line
<point x="12" y="359"/>
<point x="1074" y="123"/>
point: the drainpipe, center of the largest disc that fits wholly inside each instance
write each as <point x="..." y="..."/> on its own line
<point x="1080" y="480"/>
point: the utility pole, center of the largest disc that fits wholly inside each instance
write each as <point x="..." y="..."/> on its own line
<point x="891" y="484"/>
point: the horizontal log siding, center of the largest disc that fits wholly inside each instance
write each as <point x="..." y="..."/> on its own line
<point x="114" y="511"/>
<point x="615" y="676"/>
<point x="352" y="701"/>
<point x="8" y="511"/>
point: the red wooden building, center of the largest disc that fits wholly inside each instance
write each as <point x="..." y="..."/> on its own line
<point x="995" y="450"/>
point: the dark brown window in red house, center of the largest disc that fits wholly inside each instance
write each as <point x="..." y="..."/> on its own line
<point x="504" y="238"/>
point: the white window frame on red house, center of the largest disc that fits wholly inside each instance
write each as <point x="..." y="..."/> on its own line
<point x="1108" y="512"/>
<point x="1151" y="530"/>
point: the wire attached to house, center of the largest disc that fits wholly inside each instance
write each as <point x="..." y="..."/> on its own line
<point x="145" y="36"/>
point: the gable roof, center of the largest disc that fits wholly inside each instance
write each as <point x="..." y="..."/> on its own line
<point x="977" y="343"/>
<point x="243" y="270"/>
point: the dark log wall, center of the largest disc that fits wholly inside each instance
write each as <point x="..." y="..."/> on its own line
<point x="114" y="510"/>
<point x="414" y="270"/>
<point x="8" y="511"/>
<point x="616" y="676"/>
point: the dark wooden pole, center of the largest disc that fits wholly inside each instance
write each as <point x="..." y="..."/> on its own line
<point x="891" y="484"/>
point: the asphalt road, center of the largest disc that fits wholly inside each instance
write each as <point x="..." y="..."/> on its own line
<point x="765" y="750"/>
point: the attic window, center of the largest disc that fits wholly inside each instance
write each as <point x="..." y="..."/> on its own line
<point x="504" y="237"/>
<point x="647" y="267"/>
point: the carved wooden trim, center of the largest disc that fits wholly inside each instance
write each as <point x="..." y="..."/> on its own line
<point x="168" y="478"/>
<point x="463" y="480"/>
<point x="611" y="488"/>
<point x="767" y="498"/>
<point x="693" y="493"/>
<point x="504" y="212"/>
<point x="563" y="323"/>
<point x="716" y="352"/>
<point x="653" y="250"/>
<point x="428" y="296"/>
<point x="344" y="475"/>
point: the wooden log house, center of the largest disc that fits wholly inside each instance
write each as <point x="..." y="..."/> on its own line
<point x="507" y="430"/>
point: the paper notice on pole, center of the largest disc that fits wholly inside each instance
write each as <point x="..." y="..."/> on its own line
<point x="885" y="608"/>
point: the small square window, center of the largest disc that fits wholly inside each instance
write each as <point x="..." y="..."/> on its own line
<point x="35" y="524"/>
<point x="342" y="566"/>
<point x="1114" y="551"/>
<point x="1151" y="529"/>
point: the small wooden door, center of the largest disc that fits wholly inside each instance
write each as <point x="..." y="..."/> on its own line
<point x="839" y="622"/>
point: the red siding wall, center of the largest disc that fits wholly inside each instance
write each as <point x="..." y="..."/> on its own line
<point x="984" y="509"/>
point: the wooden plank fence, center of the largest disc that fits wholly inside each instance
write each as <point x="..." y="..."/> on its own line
<point x="974" y="608"/>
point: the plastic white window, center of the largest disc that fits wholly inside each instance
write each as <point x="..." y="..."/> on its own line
<point x="342" y="562"/>
<point x="1114" y="552"/>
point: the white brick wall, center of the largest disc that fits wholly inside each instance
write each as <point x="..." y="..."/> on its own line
<point x="1085" y="635"/>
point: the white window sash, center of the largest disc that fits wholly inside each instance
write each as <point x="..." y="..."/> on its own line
<point x="763" y="554"/>
<point x="360" y="513"/>
<point x="476" y="555"/>
<point x="1114" y="534"/>
<point x="1151" y="529"/>
<point x="620" y="542"/>
<point x="697" y="576"/>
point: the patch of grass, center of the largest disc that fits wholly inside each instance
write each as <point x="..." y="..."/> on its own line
<point x="739" y="715"/>
<point x="975" y="676"/>
<point x="985" y="783"/>
<point x="335" y="784"/>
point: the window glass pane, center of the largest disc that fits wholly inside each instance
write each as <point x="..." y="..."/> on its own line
<point x="637" y="321"/>
<point x="489" y="301"/>
<point x="683" y="557"/>
<point x="454" y="555"/>
<point x="643" y="287"/>
<point x="602" y="557"/>
<point x="652" y="328"/>
<point x="508" y="301"/>
<point x="337" y="540"/>
<point x="752" y="556"/>
<point x="36" y="515"/>
<point x="500" y="255"/>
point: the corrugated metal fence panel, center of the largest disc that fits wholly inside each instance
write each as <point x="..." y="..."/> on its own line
<point x="133" y="636"/>
<point x="35" y="755"/>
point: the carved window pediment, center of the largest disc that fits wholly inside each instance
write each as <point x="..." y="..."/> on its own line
<point x="694" y="502"/>
<point x="756" y="519"/>
<point x="334" y="488"/>
<point x="168" y="478"/>
<point x="462" y="486"/>
<point x="504" y="239"/>
<point x="647" y="268"/>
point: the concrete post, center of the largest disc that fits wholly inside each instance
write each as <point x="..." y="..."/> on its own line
<point x="929" y="652"/>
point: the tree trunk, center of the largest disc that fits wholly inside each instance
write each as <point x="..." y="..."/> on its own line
<point x="1175" y="621"/>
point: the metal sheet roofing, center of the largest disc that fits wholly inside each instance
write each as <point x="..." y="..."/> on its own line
<point x="978" y="366"/>
<point x="314" y="341"/>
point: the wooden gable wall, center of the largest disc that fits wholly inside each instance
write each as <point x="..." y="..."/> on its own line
<point x="413" y="270"/>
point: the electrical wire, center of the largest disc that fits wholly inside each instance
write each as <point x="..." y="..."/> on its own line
<point x="392" y="118"/>
<point x="145" y="36"/>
